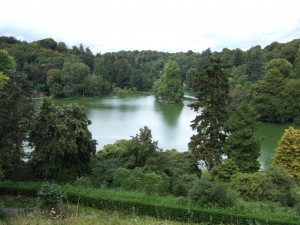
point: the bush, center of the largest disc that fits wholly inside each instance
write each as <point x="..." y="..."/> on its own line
<point x="120" y="175"/>
<point x="103" y="170"/>
<point x="154" y="183"/>
<point x="254" y="186"/>
<point x="183" y="184"/>
<point x="224" y="171"/>
<point x="272" y="184"/>
<point x="153" y="205"/>
<point x="83" y="182"/>
<point x="206" y="192"/>
<point x="50" y="196"/>
<point x="140" y="180"/>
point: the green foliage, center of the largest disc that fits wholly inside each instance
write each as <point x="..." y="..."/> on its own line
<point x="73" y="75"/>
<point x="83" y="182"/>
<point x="284" y="66"/>
<point x="134" y="152"/>
<point x="224" y="171"/>
<point x="103" y="170"/>
<point x="276" y="97"/>
<point x="170" y="89"/>
<point x="15" y="113"/>
<point x="15" y="117"/>
<point x="290" y="99"/>
<point x="141" y="180"/>
<point x="62" y="143"/>
<point x="190" y="78"/>
<point x="241" y="146"/>
<point x="156" y="206"/>
<point x="3" y="78"/>
<point x="120" y="176"/>
<point x="212" y="99"/>
<point x="50" y="196"/>
<point x="255" y="63"/>
<point x="260" y="186"/>
<point x="7" y="62"/>
<point x="288" y="152"/>
<point x="183" y="184"/>
<point x="253" y="186"/>
<point x="207" y="192"/>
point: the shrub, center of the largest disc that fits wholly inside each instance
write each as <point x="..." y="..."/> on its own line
<point x="206" y="192"/>
<point x="272" y="184"/>
<point x="153" y="183"/>
<point x="83" y="182"/>
<point x="103" y="170"/>
<point x="183" y="184"/>
<point x="50" y="196"/>
<point x="224" y="171"/>
<point x="120" y="175"/>
<point x="253" y="186"/>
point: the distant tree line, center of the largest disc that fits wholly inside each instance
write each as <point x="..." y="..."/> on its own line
<point x="268" y="77"/>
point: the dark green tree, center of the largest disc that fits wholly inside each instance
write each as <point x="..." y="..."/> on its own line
<point x="212" y="99"/>
<point x="265" y="96"/>
<point x="241" y="146"/>
<point x="290" y="101"/>
<point x="170" y="89"/>
<point x="62" y="144"/>
<point x="16" y="110"/>
<point x="255" y="64"/>
<point x="73" y="75"/>
<point x="297" y="67"/>
<point x="190" y="77"/>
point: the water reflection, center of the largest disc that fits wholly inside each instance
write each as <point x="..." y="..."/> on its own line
<point x="170" y="112"/>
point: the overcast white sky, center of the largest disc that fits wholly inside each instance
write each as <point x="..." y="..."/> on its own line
<point x="163" y="25"/>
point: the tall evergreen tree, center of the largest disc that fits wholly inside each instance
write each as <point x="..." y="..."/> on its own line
<point x="212" y="99"/>
<point x="241" y="146"/>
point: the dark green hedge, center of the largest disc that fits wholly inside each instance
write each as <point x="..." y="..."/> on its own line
<point x="140" y="204"/>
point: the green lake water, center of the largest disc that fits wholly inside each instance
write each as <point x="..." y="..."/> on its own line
<point x="115" y="118"/>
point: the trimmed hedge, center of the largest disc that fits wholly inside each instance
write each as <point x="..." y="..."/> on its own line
<point x="150" y="205"/>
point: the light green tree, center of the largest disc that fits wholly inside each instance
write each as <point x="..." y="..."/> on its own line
<point x="287" y="155"/>
<point x="171" y="88"/>
<point x="284" y="66"/>
<point x="7" y="62"/>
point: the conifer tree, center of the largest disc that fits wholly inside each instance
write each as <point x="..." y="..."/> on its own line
<point x="241" y="146"/>
<point x="212" y="99"/>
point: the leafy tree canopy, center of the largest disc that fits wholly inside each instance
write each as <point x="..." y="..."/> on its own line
<point x="62" y="144"/>
<point x="170" y="89"/>
<point x="287" y="155"/>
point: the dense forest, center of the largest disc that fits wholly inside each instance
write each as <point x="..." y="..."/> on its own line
<point x="268" y="77"/>
<point x="234" y="89"/>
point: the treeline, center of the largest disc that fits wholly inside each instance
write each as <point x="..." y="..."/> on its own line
<point x="268" y="77"/>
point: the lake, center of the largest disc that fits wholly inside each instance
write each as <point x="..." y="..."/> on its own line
<point x="120" y="117"/>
